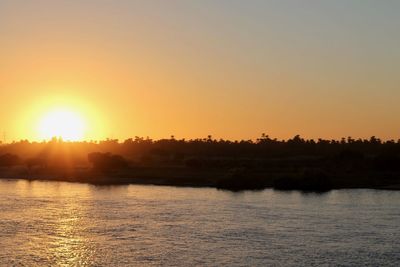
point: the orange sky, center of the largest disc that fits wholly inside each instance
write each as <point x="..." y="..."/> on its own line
<point x="232" y="69"/>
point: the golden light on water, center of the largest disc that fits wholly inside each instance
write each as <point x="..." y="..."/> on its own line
<point x="62" y="123"/>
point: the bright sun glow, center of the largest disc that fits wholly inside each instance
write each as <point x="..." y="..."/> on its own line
<point x="64" y="124"/>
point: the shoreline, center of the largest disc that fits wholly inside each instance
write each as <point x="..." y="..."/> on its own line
<point x="188" y="182"/>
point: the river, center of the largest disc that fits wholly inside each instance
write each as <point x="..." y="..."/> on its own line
<point x="66" y="224"/>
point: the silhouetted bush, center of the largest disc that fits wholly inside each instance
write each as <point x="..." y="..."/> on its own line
<point x="107" y="161"/>
<point x="310" y="180"/>
<point x="8" y="160"/>
<point x="387" y="162"/>
<point x="350" y="155"/>
<point x="239" y="179"/>
<point x="194" y="163"/>
<point x="40" y="162"/>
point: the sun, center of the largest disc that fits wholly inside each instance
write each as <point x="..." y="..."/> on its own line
<point x="62" y="123"/>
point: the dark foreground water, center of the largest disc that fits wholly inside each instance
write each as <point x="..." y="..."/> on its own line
<point x="62" y="224"/>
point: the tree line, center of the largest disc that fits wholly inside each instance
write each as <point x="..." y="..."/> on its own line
<point x="197" y="152"/>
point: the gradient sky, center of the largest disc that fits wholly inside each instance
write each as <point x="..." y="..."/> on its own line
<point x="232" y="69"/>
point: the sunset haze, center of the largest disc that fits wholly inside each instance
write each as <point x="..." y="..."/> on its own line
<point x="231" y="69"/>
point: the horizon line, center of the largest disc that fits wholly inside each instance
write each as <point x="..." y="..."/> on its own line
<point x="59" y="139"/>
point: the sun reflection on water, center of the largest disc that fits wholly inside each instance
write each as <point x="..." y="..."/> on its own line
<point x="68" y="246"/>
<point x="63" y="239"/>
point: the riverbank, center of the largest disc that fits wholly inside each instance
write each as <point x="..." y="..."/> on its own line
<point x="234" y="180"/>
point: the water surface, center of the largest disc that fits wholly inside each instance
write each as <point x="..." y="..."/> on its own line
<point x="55" y="223"/>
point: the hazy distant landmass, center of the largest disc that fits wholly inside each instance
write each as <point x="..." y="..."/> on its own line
<point x="294" y="164"/>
